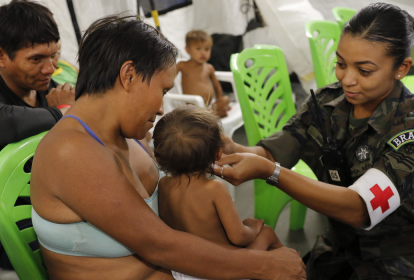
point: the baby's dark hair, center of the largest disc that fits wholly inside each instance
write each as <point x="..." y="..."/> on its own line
<point x="187" y="140"/>
<point x="197" y="36"/>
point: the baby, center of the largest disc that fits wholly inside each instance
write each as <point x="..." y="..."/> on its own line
<point x="187" y="141"/>
<point x="198" y="75"/>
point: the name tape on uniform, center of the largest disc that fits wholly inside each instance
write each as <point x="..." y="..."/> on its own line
<point x="402" y="138"/>
<point x="379" y="193"/>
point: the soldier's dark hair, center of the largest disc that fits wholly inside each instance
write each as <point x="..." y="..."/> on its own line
<point x="24" y="24"/>
<point x="197" y="36"/>
<point x="387" y="24"/>
<point x="113" y="40"/>
<point x="187" y="140"/>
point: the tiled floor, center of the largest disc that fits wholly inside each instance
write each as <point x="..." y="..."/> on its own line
<point x="8" y="275"/>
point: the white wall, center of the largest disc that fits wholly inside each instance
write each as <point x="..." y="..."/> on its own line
<point x="285" y="18"/>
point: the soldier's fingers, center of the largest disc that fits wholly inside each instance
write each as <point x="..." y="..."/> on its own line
<point x="59" y="87"/>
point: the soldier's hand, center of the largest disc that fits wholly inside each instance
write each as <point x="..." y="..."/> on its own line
<point x="241" y="167"/>
<point x="287" y="264"/>
<point x="62" y="94"/>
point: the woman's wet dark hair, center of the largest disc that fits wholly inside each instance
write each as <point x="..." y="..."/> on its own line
<point x="187" y="140"/>
<point x="387" y="24"/>
<point x="111" y="41"/>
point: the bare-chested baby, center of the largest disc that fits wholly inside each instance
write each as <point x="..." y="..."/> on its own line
<point x="187" y="141"/>
<point x="198" y="76"/>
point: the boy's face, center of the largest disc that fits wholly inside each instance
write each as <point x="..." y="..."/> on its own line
<point x="200" y="51"/>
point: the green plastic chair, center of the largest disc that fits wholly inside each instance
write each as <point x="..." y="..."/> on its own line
<point x="65" y="73"/>
<point x="265" y="96"/>
<point x="323" y="38"/>
<point x="409" y="82"/>
<point x="343" y="15"/>
<point x="14" y="183"/>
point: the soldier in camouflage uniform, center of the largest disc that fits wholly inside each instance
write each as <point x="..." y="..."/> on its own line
<point x="379" y="157"/>
<point x="377" y="251"/>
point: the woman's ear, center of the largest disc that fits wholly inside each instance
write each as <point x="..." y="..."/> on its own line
<point x="404" y="68"/>
<point x="219" y="154"/>
<point x="127" y="74"/>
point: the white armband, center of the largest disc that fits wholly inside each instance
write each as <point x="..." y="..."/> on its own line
<point x="379" y="193"/>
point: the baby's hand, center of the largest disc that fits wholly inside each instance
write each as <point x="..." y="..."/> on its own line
<point x="255" y="224"/>
<point x="229" y="146"/>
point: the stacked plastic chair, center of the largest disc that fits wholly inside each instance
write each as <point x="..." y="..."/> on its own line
<point x="65" y="73"/>
<point x="409" y="82"/>
<point x="343" y="15"/>
<point x="15" y="183"/>
<point x="265" y="96"/>
<point x="323" y="38"/>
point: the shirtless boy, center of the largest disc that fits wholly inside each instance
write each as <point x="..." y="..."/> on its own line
<point x="198" y="75"/>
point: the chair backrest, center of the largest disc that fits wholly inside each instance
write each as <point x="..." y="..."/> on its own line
<point x="15" y="183"/>
<point x="343" y="15"/>
<point x="323" y="38"/>
<point x="409" y="82"/>
<point x="265" y="94"/>
<point x="65" y="73"/>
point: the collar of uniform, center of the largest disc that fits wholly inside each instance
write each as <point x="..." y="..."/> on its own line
<point x="384" y="110"/>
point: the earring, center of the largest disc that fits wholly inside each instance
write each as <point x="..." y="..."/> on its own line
<point x="398" y="76"/>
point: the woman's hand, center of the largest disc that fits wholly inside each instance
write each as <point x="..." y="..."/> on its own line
<point x="287" y="264"/>
<point x="241" y="167"/>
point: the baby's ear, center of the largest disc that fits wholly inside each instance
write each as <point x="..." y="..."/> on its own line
<point x="187" y="49"/>
<point x="218" y="154"/>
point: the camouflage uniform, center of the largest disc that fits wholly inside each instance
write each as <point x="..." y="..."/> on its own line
<point x="387" y="250"/>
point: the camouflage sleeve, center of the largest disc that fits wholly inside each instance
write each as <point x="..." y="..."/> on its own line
<point x="284" y="148"/>
<point x="286" y="145"/>
<point x="389" y="184"/>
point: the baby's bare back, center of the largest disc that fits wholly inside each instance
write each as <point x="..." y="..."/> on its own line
<point x="190" y="208"/>
<point x="196" y="80"/>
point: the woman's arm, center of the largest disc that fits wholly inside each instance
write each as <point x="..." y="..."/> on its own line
<point x="339" y="203"/>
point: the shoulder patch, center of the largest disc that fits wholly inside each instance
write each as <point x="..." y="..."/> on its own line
<point x="402" y="138"/>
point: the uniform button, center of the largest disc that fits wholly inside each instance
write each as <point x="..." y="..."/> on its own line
<point x="410" y="114"/>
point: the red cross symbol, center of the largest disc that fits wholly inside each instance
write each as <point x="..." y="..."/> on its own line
<point x="381" y="198"/>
